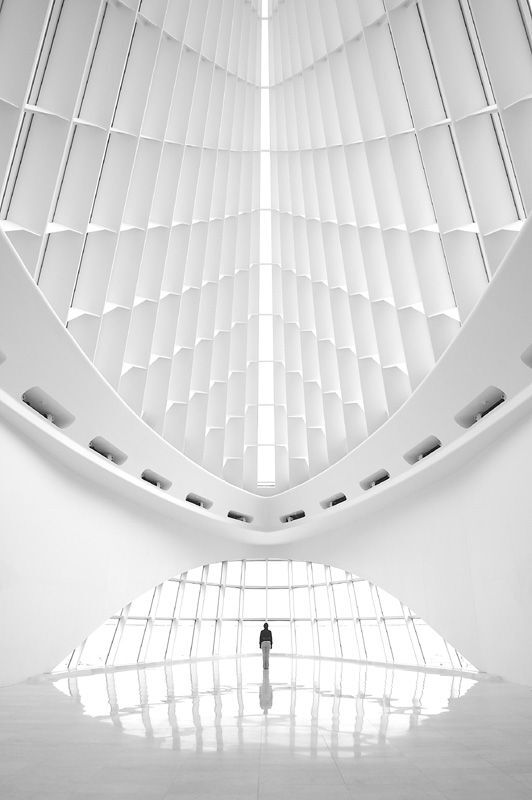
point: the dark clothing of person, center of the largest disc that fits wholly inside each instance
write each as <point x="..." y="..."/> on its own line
<point x="265" y="636"/>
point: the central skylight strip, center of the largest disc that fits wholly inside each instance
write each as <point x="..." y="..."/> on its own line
<point x="266" y="408"/>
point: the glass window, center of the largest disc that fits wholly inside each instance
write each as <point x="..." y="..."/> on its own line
<point x="400" y="642"/>
<point x="326" y="639"/>
<point x="167" y="598"/>
<point x="183" y="639"/>
<point x="462" y="661"/>
<point x="195" y="574"/>
<point x="250" y="637"/>
<point x="215" y="573"/>
<point x="228" y="638"/>
<point x="348" y="641"/>
<point x="278" y="573"/>
<point x="210" y="602"/>
<point x="230" y="618"/>
<point x="130" y="641"/>
<point x="189" y="606"/>
<point x="204" y="638"/>
<point x="341" y="600"/>
<point x="141" y="606"/>
<point x="322" y="601"/>
<point x="65" y="663"/>
<point x="255" y="603"/>
<point x="301" y="602"/>
<point x="255" y="573"/>
<point x="97" y="645"/>
<point x="158" y="641"/>
<point x="278" y="604"/>
<point x="372" y="640"/>
<point x="234" y="573"/>
<point x="231" y="605"/>
<point x="304" y="643"/>
<point x="391" y="607"/>
<point x="299" y="573"/>
<point x="338" y="574"/>
<point x="366" y="607"/>
<point x="432" y="645"/>
<point x="282" y="638"/>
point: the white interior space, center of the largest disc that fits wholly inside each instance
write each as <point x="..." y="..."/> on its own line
<point x="265" y="357"/>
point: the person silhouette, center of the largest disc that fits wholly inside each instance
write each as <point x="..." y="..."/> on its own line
<point x="265" y="644"/>
<point x="265" y="692"/>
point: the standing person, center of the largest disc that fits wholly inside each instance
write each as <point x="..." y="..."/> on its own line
<point x="265" y="644"/>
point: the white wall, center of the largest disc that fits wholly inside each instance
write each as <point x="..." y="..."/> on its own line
<point x="73" y="550"/>
<point x="456" y="547"/>
<point x="449" y="536"/>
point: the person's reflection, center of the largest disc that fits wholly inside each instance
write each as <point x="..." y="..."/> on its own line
<point x="265" y="692"/>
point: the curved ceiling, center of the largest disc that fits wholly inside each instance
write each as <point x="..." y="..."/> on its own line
<point x="264" y="249"/>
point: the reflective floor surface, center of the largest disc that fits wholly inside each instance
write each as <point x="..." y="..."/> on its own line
<point x="305" y="729"/>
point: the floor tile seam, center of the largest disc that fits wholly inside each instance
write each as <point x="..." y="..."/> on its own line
<point x="260" y="761"/>
<point x="445" y="790"/>
<point x="513" y="776"/>
<point x="478" y="759"/>
<point x="429" y="775"/>
<point x="451" y="795"/>
<point x="488" y="760"/>
<point x="335" y="761"/>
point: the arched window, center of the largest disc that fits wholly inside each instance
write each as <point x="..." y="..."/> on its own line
<point x="218" y="610"/>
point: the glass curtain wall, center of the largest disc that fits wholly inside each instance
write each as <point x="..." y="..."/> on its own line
<point x="218" y="610"/>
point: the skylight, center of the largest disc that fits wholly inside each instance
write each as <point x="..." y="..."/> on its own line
<point x="214" y="196"/>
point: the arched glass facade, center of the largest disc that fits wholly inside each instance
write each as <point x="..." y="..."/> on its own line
<point x="218" y="610"/>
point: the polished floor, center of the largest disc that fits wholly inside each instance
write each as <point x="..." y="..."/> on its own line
<point x="305" y="729"/>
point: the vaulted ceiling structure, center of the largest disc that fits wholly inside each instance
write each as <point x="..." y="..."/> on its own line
<point x="265" y="296"/>
<point x="264" y="222"/>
